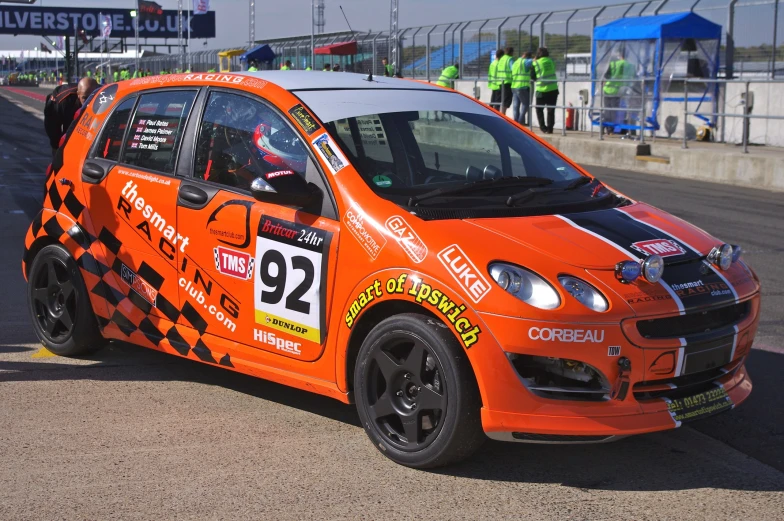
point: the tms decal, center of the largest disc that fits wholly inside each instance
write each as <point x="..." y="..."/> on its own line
<point x="464" y="272"/>
<point x="138" y="284"/>
<point x="368" y="236"/>
<point x="407" y="238"/>
<point x="130" y="203"/>
<point x="661" y="247"/>
<point x="281" y="344"/>
<point x="422" y="294"/>
<point x="547" y="334"/>
<point x="233" y="263"/>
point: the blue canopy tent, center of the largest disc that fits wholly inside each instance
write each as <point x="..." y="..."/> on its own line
<point x="658" y="51"/>
<point x="260" y="54"/>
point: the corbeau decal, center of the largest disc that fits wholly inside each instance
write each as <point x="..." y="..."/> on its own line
<point x="662" y="247"/>
<point x="464" y="272"/>
<point x="291" y="264"/>
<point x="130" y="203"/>
<point x="368" y="236"/>
<point x="407" y="238"/>
<point x="421" y="293"/>
<point x="139" y="285"/>
<point x="233" y="263"/>
<point x="224" y="230"/>
<point x="330" y="153"/>
<point x="281" y="344"/>
<point x="547" y="334"/>
<point x="304" y="119"/>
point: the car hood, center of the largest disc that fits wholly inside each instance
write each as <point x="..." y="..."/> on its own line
<point x="601" y="239"/>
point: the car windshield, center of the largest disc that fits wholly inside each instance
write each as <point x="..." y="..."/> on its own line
<point x="433" y="160"/>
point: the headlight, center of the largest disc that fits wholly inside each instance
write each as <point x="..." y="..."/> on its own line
<point x="628" y="271"/>
<point x="737" y="251"/>
<point x="585" y="294"/>
<point x="525" y="285"/>
<point x="652" y="268"/>
<point x="721" y="256"/>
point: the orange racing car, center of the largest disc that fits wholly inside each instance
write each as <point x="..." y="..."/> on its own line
<point x="387" y="243"/>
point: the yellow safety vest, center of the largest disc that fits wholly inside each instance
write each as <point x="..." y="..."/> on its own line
<point x="546" y="80"/>
<point x="447" y="77"/>
<point x="521" y="75"/>
<point x="619" y="70"/>
<point x="493" y="82"/>
<point x="504" y="72"/>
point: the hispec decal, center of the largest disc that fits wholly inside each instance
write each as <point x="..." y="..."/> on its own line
<point x="422" y="293"/>
<point x="330" y="153"/>
<point x="407" y="238"/>
<point x="304" y="119"/>
<point x="547" y="334"/>
<point x="364" y="231"/>
<point x="661" y="247"/>
<point x="464" y="272"/>
<point x="281" y="344"/>
<point x="233" y="263"/>
<point x="201" y="288"/>
<point x="291" y="265"/>
<point x="130" y="203"/>
<point x="227" y="209"/>
<point x="138" y="284"/>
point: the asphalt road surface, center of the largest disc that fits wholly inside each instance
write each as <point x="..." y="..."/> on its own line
<point x="131" y="433"/>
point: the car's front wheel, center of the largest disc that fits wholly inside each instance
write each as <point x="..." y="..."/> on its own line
<point x="416" y="394"/>
<point x="59" y="304"/>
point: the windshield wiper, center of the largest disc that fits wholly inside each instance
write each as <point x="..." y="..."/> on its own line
<point x="533" y="192"/>
<point x="479" y="185"/>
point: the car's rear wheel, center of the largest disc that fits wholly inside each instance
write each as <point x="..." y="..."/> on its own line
<point x="416" y="395"/>
<point x="59" y="304"/>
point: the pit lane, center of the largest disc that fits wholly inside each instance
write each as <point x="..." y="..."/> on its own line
<point x="132" y="433"/>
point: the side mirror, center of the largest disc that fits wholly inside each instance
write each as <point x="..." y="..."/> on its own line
<point x="292" y="192"/>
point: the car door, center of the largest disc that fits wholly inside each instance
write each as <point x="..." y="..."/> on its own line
<point x="257" y="273"/>
<point x="131" y="193"/>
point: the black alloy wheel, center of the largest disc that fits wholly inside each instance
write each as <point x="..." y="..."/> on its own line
<point x="416" y="394"/>
<point x="59" y="304"/>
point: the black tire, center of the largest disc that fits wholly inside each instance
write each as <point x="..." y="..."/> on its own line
<point x="413" y="380"/>
<point x="59" y="304"/>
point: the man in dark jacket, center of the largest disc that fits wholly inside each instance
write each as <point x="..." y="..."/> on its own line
<point x="61" y="105"/>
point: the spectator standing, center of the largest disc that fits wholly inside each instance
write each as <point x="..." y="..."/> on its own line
<point x="389" y="71"/>
<point x="61" y="106"/>
<point x="619" y="69"/>
<point x="505" y="77"/>
<point x="521" y="88"/>
<point x="327" y="68"/>
<point x="493" y="82"/>
<point x="546" y="89"/>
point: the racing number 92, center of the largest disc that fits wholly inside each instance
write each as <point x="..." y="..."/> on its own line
<point x="288" y="289"/>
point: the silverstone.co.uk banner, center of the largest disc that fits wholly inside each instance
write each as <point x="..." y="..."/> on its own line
<point x="52" y="21"/>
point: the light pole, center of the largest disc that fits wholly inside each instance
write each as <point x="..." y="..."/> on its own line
<point x="135" y="16"/>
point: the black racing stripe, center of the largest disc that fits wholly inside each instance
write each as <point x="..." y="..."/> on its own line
<point x="73" y="204"/>
<point x="109" y="240"/>
<point x="226" y="360"/>
<point x="125" y="325"/>
<point x="203" y="352"/>
<point x="53" y="228"/>
<point x="37" y="224"/>
<point x="697" y="285"/>
<point x="151" y="276"/>
<point x="177" y="341"/>
<point x="54" y="196"/>
<point x="139" y="301"/>
<point x="193" y="316"/>
<point x="149" y="330"/>
<point x="167" y="308"/>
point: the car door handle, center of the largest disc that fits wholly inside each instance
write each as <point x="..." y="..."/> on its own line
<point x="192" y="196"/>
<point x="93" y="172"/>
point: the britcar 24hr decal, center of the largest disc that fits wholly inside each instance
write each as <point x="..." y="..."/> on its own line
<point x="289" y="287"/>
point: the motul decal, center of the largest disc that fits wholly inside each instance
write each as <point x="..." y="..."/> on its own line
<point x="233" y="263"/>
<point x="661" y="247"/>
<point x="279" y="173"/>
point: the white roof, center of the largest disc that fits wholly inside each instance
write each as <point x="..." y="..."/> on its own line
<point x="307" y="80"/>
<point x="332" y="96"/>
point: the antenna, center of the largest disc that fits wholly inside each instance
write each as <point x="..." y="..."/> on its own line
<point x="344" y="16"/>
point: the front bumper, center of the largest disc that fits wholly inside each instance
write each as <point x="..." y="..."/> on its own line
<point x="659" y="394"/>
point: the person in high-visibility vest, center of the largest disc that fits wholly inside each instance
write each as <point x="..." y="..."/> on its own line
<point x="389" y="70"/>
<point x="521" y="88"/>
<point x="116" y="76"/>
<point x="253" y="67"/>
<point x="619" y="69"/>
<point x="286" y="66"/>
<point x="504" y="74"/>
<point x="493" y="82"/>
<point x="327" y="68"/>
<point x="448" y="76"/>
<point x="546" y="89"/>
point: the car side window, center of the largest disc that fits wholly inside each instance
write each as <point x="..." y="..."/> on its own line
<point x="156" y="130"/>
<point x="110" y="144"/>
<point x="241" y="139"/>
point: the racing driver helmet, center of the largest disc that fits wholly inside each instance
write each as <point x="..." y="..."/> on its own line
<point x="281" y="149"/>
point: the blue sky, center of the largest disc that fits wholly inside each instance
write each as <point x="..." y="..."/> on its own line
<point x="278" y="18"/>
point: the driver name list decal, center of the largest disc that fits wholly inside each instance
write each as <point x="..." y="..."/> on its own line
<point x="149" y="133"/>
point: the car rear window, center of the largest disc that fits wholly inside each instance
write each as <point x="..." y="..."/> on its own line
<point x="112" y="137"/>
<point x="156" y="130"/>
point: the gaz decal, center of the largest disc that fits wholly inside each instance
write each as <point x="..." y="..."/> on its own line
<point x="144" y="218"/>
<point x="662" y="247"/>
<point x="464" y="272"/>
<point x="330" y="153"/>
<point x="407" y="238"/>
<point x="233" y="263"/>
<point x="205" y="294"/>
<point x="288" y="287"/>
<point x="423" y="294"/>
